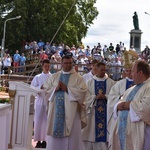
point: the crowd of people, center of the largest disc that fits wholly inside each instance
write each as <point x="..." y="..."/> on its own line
<point x="17" y="61"/>
<point x="109" y="54"/>
<point x="101" y="104"/>
<point x="93" y="111"/>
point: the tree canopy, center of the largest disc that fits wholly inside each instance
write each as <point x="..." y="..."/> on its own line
<point x="41" y="19"/>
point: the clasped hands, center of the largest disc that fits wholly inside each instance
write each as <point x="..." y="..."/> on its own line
<point x="100" y="96"/>
<point x="123" y="106"/>
<point x="61" y="86"/>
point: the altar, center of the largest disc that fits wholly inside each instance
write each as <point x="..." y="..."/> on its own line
<point x="5" y="122"/>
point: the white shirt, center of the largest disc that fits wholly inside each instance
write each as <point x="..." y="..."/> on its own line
<point x="7" y="62"/>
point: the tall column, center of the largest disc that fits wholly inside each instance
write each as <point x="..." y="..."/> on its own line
<point x="135" y="40"/>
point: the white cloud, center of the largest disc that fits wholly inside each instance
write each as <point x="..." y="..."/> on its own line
<point x="114" y="22"/>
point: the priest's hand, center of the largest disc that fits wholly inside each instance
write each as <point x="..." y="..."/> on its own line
<point x="123" y="106"/>
<point x="58" y="87"/>
<point x="100" y="96"/>
<point x="120" y="106"/>
<point x="63" y="86"/>
<point x="127" y="105"/>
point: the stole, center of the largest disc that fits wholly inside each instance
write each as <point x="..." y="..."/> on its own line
<point x="123" y="115"/>
<point x="59" y="113"/>
<point x="129" y="84"/>
<point x="100" y="113"/>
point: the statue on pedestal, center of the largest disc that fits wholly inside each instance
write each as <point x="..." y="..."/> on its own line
<point x="136" y="21"/>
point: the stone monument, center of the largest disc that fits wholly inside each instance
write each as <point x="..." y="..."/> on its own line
<point x="135" y="34"/>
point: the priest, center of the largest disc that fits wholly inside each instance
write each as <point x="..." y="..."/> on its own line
<point x="66" y="90"/>
<point x="120" y="87"/>
<point x="132" y="126"/>
<point x="95" y="133"/>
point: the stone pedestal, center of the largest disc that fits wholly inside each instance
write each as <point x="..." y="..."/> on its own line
<point x="5" y="121"/>
<point x="23" y="111"/>
<point x="135" y="39"/>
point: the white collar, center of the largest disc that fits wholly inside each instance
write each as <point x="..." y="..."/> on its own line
<point x="100" y="79"/>
<point x="129" y="79"/>
<point x="66" y="72"/>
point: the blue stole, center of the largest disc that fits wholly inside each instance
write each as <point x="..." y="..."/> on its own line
<point x="100" y="113"/>
<point x="129" y="84"/>
<point x="59" y="113"/>
<point x="123" y="115"/>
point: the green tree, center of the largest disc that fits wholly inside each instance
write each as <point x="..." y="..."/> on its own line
<point x="42" y="18"/>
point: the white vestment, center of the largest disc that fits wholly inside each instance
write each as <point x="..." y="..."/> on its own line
<point x="40" y="116"/>
<point x="75" y="112"/>
<point x="115" y="94"/>
<point x="89" y="130"/>
<point x="138" y="121"/>
<point x="88" y="76"/>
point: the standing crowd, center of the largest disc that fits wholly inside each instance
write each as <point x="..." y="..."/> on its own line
<point x="107" y="108"/>
<point x="109" y="54"/>
<point x="17" y="61"/>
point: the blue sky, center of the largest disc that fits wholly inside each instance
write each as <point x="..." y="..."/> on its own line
<point x="114" y="22"/>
